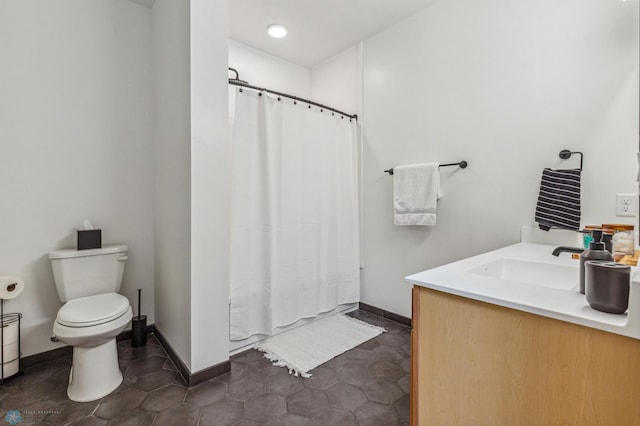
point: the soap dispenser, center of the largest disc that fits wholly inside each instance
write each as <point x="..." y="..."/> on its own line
<point x="596" y="251"/>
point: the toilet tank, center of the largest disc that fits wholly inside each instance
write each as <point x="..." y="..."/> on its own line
<point x="80" y="273"/>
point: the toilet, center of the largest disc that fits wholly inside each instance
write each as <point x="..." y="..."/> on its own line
<point x="93" y="315"/>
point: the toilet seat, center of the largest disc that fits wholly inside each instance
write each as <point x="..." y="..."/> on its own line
<point x="92" y="310"/>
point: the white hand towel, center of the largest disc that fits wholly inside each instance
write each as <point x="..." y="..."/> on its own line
<point x="416" y="189"/>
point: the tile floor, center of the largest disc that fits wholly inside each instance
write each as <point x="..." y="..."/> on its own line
<point x="368" y="385"/>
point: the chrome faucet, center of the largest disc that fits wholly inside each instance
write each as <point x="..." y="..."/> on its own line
<point x="566" y="249"/>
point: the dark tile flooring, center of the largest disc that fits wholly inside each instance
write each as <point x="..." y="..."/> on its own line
<point x="368" y="385"/>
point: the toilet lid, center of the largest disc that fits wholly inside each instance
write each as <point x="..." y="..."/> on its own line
<point x="92" y="310"/>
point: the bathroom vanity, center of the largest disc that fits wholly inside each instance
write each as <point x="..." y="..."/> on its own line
<point x="505" y="338"/>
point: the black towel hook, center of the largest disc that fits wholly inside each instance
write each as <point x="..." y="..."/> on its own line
<point x="566" y="154"/>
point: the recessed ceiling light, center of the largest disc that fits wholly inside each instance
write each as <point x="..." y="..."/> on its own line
<point x="277" y="30"/>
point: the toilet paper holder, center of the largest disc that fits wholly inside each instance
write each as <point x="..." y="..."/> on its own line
<point x="14" y="365"/>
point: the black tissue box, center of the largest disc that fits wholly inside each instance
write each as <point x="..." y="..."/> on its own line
<point x="89" y="239"/>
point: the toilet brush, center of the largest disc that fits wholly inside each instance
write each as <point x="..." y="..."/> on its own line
<point x="139" y="326"/>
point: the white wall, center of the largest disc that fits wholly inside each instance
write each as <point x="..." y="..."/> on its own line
<point x="75" y="140"/>
<point x="191" y="176"/>
<point x="504" y="85"/>
<point x="263" y="70"/>
<point x="172" y="157"/>
<point x="210" y="188"/>
<point x="79" y="111"/>
<point x="337" y="81"/>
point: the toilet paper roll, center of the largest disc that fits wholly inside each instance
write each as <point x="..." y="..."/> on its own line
<point x="10" y="331"/>
<point x="10" y="286"/>
<point x="10" y="351"/>
<point x="10" y="368"/>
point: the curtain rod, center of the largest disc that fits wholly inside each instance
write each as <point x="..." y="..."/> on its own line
<point x="295" y="98"/>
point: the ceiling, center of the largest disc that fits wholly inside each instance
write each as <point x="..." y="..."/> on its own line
<point x="318" y="29"/>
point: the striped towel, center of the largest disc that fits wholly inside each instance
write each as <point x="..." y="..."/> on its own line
<point x="559" y="200"/>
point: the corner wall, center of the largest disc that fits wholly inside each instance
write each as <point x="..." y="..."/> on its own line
<point x="263" y="70"/>
<point x="210" y="185"/>
<point x="337" y="81"/>
<point x="191" y="175"/>
<point x="172" y="158"/>
<point x="504" y="85"/>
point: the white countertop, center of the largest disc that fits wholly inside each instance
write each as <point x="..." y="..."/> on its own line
<point x="565" y="305"/>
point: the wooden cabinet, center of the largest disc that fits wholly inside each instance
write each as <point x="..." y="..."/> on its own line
<point x="474" y="363"/>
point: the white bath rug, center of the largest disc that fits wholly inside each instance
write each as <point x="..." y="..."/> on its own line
<point x="306" y="347"/>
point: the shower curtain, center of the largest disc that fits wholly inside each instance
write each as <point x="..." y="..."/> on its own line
<point x="294" y="214"/>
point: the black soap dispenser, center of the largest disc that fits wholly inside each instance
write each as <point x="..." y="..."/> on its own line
<point x="596" y="251"/>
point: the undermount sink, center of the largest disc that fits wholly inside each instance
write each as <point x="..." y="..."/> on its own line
<point x="560" y="277"/>
<point x="527" y="277"/>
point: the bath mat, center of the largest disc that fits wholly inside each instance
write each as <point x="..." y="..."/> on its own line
<point x="306" y="347"/>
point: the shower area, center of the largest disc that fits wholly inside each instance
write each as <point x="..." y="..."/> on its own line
<point x="294" y="238"/>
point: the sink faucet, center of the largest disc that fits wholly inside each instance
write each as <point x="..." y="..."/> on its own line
<point x="566" y="249"/>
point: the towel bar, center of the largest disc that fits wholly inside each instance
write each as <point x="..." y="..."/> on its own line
<point x="462" y="164"/>
<point x="565" y="154"/>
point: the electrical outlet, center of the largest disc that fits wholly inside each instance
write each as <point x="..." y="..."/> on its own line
<point x="626" y="205"/>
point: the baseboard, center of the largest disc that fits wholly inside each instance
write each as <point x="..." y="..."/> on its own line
<point x="47" y="356"/>
<point x="53" y="354"/>
<point x="386" y="314"/>
<point x="209" y="373"/>
<point x="192" y="379"/>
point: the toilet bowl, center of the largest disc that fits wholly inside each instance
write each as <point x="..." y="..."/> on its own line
<point x="90" y="324"/>
<point x="93" y="315"/>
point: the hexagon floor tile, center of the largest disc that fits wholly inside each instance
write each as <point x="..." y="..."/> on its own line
<point x="367" y="385"/>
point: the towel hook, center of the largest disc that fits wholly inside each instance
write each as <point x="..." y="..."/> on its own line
<point x="566" y="154"/>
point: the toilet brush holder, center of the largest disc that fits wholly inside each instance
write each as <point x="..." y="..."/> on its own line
<point x="139" y="331"/>
<point x="139" y="326"/>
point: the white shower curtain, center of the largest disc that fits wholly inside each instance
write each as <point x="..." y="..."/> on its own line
<point x="294" y="214"/>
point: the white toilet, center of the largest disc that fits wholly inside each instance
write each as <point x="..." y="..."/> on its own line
<point x="93" y="315"/>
